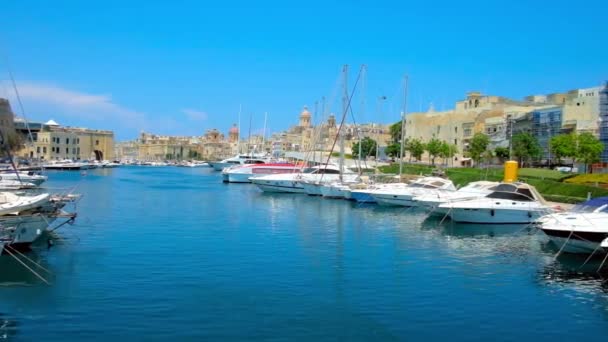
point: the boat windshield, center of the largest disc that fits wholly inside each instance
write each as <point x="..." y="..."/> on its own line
<point x="320" y="171"/>
<point x="433" y="185"/>
<point x="512" y="196"/>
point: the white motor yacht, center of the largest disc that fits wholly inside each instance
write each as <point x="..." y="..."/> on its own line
<point x="473" y="190"/>
<point x="25" y="218"/>
<point x="314" y="183"/>
<point x="27" y="177"/>
<point x="361" y="193"/>
<point x="582" y="229"/>
<point x="338" y="189"/>
<point x="15" y="185"/>
<point x="293" y="182"/>
<point x="509" y="203"/>
<point x="66" y="164"/>
<point x="11" y="203"/>
<point x="404" y="196"/>
<point x="109" y="164"/>
<point x="242" y="173"/>
<point x="193" y="163"/>
<point x="238" y="160"/>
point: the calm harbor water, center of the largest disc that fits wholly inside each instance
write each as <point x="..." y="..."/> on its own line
<point x="172" y="253"/>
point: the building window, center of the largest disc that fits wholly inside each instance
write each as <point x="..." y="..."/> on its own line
<point x="44" y="149"/>
<point x="455" y="141"/>
<point x="74" y="150"/>
<point x="37" y="149"/>
<point x="53" y="149"/>
<point x="455" y="129"/>
<point x="96" y="142"/>
<point x="67" y="150"/>
<point x="78" y="150"/>
<point x="67" y="141"/>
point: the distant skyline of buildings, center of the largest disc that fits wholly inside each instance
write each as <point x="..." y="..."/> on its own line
<point x="543" y="115"/>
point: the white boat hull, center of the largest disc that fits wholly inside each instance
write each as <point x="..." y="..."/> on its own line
<point x="394" y="200"/>
<point x="362" y="196"/>
<point x="329" y="191"/>
<point x="280" y="186"/>
<point x="497" y="216"/>
<point x="219" y="166"/>
<point x="312" y="189"/>
<point x="26" y="230"/>
<point x="576" y="246"/>
<point x="239" y="177"/>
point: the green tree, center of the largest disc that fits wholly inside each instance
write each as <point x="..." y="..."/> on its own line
<point x="434" y="147"/>
<point x="395" y="131"/>
<point x="393" y="150"/>
<point x="416" y="148"/>
<point x="478" y="145"/>
<point x="563" y="146"/>
<point x="368" y="148"/>
<point x="589" y="149"/>
<point x="502" y="153"/>
<point x="447" y="152"/>
<point x="525" y="146"/>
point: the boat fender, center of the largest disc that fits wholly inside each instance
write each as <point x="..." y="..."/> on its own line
<point x="492" y="212"/>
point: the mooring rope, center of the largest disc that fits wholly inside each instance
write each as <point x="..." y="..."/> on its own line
<point x="28" y="259"/>
<point x="27" y="267"/>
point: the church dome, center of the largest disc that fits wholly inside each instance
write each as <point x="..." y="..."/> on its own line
<point x="305" y="113"/>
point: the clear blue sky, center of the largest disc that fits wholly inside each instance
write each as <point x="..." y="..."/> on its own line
<point x="181" y="67"/>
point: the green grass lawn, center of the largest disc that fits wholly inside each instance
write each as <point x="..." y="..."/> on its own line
<point x="543" y="174"/>
<point x="553" y="185"/>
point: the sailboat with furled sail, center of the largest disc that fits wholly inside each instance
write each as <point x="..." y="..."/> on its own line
<point x="316" y="187"/>
<point x="309" y="180"/>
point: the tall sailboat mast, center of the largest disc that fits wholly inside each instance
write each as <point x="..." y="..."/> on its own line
<point x="249" y="138"/>
<point x="344" y="110"/>
<point x="264" y="132"/>
<point x="321" y="148"/>
<point x="238" y="137"/>
<point x="405" y="84"/>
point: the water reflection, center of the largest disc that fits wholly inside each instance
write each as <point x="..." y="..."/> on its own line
<point x="8" y="327"/>
<point x="456" y="229"/>
<point x="13" y="273"/>
<point x="572" y="272"/>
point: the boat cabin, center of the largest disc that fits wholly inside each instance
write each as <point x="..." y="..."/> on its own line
<point x="516" y="192"/>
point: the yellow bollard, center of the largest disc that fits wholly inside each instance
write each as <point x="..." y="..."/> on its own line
<point x="510" y="171"/>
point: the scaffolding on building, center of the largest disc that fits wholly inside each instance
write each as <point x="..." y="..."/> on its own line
<point x="603" y="121"/>
<point x="546" y="124"/>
